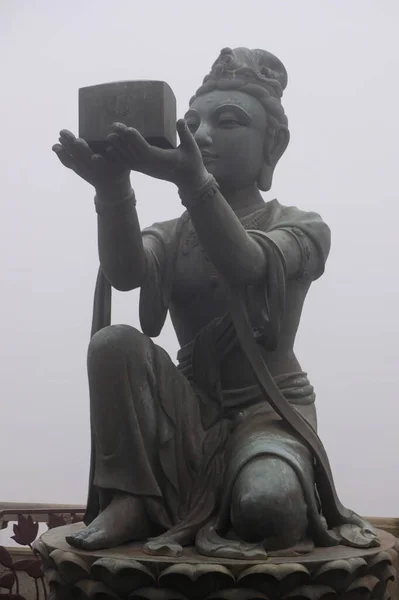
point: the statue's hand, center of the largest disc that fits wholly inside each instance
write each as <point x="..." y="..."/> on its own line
<point x="182" y="166"/>
<point x="101" y="172"/>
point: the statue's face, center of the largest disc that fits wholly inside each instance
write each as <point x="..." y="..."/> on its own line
<point x="229" y="128"/>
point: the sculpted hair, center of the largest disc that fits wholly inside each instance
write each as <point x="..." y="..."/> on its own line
<point x="255" y="72"/>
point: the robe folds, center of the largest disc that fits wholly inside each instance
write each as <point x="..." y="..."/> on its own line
<point x="184" y="467"/>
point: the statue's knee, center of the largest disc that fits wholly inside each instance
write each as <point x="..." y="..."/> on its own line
<point x="115" y="341"/>
<point x="268" y="502"/>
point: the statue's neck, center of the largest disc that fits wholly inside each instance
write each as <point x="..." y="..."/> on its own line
<point x="245" y="200"/>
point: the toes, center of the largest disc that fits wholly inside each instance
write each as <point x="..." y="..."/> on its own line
<point x="74" y="540"/>
<point x="95" y="541"/>
<point x="77" y="539"/>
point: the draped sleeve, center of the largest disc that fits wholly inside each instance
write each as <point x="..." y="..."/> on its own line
<point x="304" y="240"/>
<point x="296" y="246"/>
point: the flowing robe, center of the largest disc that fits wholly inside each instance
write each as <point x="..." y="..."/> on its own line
<point x="207" y="431"/>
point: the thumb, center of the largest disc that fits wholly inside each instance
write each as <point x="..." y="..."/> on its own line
<point x="187" y="140"/>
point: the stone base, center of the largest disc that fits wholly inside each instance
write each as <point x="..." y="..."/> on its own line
<point x="127" y="572"/>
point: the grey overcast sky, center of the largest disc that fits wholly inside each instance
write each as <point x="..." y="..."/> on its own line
<point x="342" y="57"/>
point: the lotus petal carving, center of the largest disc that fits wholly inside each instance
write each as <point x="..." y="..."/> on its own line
<point x="71" y="566"/>
<point x="272" y="580"/>
<point x="122" y="576"/>
<point x="198" y="580"/>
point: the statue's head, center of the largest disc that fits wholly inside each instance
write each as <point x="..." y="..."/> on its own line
<point x="238" y="120"/>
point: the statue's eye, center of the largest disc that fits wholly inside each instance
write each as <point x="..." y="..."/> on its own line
<point x="228" y="122"/>
<point x="192" y="125"/>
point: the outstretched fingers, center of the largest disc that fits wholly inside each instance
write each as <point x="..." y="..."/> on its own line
<point x="187" y="140"/>
<point x="67" y="137"/>
<point x="64" y="156"/>
<point x="128" y="141"/>
<point x="78" y="148"/>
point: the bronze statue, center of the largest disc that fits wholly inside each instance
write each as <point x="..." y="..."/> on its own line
<point x="221" y="451"/>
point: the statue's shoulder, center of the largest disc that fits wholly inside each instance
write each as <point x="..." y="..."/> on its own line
<point x="304" y="222"/>
<point x="280" y="214"/>
<point x="308" y="227"/>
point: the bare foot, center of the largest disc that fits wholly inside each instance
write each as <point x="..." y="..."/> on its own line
<point x="123" y="520"/>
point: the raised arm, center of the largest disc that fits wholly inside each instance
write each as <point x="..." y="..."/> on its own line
<point x="238" y="256"/>
<point x="302" y="239"/>
<point x="120" y="244"/>
<point x="119" y="238"/>
<point x="233" y="252"/>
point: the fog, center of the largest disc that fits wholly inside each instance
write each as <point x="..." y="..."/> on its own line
<point x="342" y="103"/>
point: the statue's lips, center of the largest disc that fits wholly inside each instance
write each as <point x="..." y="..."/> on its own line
<point x="208" y="156"/>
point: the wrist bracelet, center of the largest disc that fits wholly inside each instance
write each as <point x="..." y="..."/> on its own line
<point x="124" y="205"/>
<point x="207" y="190"/>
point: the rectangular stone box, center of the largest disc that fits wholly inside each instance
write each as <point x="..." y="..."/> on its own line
<point x="148" y="106"/>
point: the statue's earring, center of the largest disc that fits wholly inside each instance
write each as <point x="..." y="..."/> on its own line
<point x="273" y="150"/>
<point x="265" y="177"/>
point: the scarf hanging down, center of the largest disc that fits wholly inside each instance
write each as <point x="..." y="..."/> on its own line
<point x="334" y="512"/>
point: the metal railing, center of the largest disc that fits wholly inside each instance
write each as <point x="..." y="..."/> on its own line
<point x="22" y="578"/>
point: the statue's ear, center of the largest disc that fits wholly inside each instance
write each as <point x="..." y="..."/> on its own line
<point x="273" y="151"/>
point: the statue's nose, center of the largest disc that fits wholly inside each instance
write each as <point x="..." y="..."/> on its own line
<point x="203" y="135"/>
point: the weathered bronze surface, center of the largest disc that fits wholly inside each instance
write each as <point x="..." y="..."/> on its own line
<point x="336" y="572"/>
<point x="149" y="106"/>
<point x="220" y="452"/>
